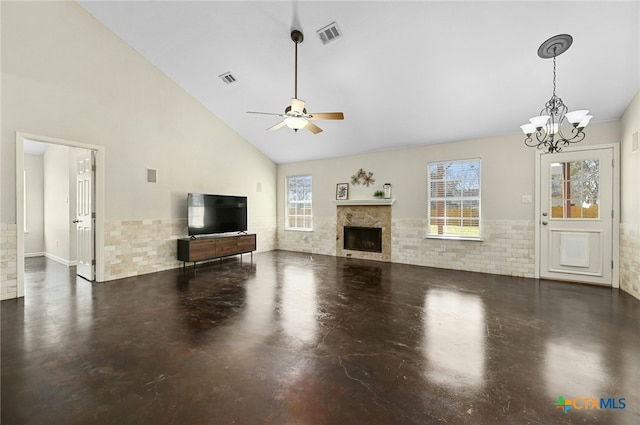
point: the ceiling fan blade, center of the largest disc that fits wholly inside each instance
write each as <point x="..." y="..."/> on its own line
<point x="266" y="113"/>
<point x="327" y="116"/>
<point x="312" y="127"/>
<point x="277" y="126"/>
<point x="297" y="106"/>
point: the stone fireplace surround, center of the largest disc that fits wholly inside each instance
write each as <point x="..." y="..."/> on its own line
<point x="364" y="214"/>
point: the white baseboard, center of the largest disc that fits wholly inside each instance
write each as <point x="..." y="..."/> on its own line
<point x="34" y="254"/>
<point x="60" y="260"/>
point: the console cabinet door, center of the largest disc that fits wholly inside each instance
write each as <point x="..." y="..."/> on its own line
<point x="202" y="250"/>
<point x="226" y="246"/>
<point x="247" y="243"/>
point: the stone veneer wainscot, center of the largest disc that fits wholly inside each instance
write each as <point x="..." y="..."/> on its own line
<point x="135" y="247"/>
<point x="630" y="258"/>
<point x="507" y="248"/>
<point x="8" y="263"/>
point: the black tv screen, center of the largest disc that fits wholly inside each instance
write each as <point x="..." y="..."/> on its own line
<point x="208" y="214"/>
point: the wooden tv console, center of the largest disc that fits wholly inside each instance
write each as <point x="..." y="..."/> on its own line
<point x="210" y="247"/>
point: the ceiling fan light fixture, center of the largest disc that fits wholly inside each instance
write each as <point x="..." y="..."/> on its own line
<point x="295" y="123"/>
<point x="296" y="116"/>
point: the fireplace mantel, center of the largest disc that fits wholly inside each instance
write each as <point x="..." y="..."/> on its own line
<point x="355" y="202"/>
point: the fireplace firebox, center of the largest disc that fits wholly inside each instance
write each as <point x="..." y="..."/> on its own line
<point x="367" y="239"/>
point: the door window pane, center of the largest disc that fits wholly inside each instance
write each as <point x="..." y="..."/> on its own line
<point x="575" y="189"/>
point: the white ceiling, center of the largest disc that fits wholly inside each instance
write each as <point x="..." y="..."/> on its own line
<point x="403" y="73"/>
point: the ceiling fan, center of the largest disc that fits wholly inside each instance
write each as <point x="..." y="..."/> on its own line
<point x="296" y="116"/>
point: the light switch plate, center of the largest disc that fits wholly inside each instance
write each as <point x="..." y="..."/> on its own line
<point x="527" y="199"/>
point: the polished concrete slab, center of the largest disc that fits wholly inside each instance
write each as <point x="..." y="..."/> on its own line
<point x="295" y="338"/>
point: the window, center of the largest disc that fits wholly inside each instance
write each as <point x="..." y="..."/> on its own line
<point x="298" y="214"/>
<point x="454" y="199"/>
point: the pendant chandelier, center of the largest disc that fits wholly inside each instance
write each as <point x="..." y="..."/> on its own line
<point x="545" y="130"/>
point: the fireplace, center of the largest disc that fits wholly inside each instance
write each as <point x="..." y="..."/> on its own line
<point x="367" y="239"/>
<point x="370" y="224"/>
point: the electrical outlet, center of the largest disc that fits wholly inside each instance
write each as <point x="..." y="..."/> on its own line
<point x="443" y="248"/>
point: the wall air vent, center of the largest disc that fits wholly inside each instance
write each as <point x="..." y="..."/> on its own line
<point x="329" y="33"/>
<point x="228" y="78"/>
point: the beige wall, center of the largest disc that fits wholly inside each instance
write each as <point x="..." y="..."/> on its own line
<point x="56" y="204"/>
<point x="508" y="224"/>
<point x="65" y="75"/>
<point x="507" y="174"/>
<point x="630" y="200"/>
<point x="34" y="239"/>
<point x="630" y="163"/>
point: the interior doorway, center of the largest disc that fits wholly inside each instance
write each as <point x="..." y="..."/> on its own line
<point x="97" y="216"/>
<point x="577" y="226"/>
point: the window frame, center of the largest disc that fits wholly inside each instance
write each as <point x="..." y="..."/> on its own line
<point x="288" y="203"/>
<point x="462" y="198"/>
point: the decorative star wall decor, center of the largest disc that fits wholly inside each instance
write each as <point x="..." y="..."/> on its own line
<point x="363" y="177"/>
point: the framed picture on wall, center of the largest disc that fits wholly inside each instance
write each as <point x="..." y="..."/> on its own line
<point x="342" y="191"/>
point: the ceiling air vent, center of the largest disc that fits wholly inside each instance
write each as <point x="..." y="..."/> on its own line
<point x="329" y="33"/>
<point x="228" y="78"/>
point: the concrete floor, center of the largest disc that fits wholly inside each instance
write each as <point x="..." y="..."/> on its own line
<point x="298" y="339"/>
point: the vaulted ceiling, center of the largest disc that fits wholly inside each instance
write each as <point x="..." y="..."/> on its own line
<point x="403" y="73"/>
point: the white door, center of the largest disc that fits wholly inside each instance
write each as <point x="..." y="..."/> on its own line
<point x="85" y="216"/>
<point x="576" y="216"/>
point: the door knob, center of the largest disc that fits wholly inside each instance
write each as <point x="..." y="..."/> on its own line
<point x="544" y="214"/>
<point x="76" y="221"/>
<point x="544" y="223"/>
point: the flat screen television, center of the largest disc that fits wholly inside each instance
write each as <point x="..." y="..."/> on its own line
<point x="209" y="214"/>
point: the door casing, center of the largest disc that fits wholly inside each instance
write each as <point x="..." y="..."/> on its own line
<point x="99" y="204"/>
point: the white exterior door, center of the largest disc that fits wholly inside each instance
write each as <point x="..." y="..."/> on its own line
<point x="85" y="216"/>
<point x="576" y="216"/>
